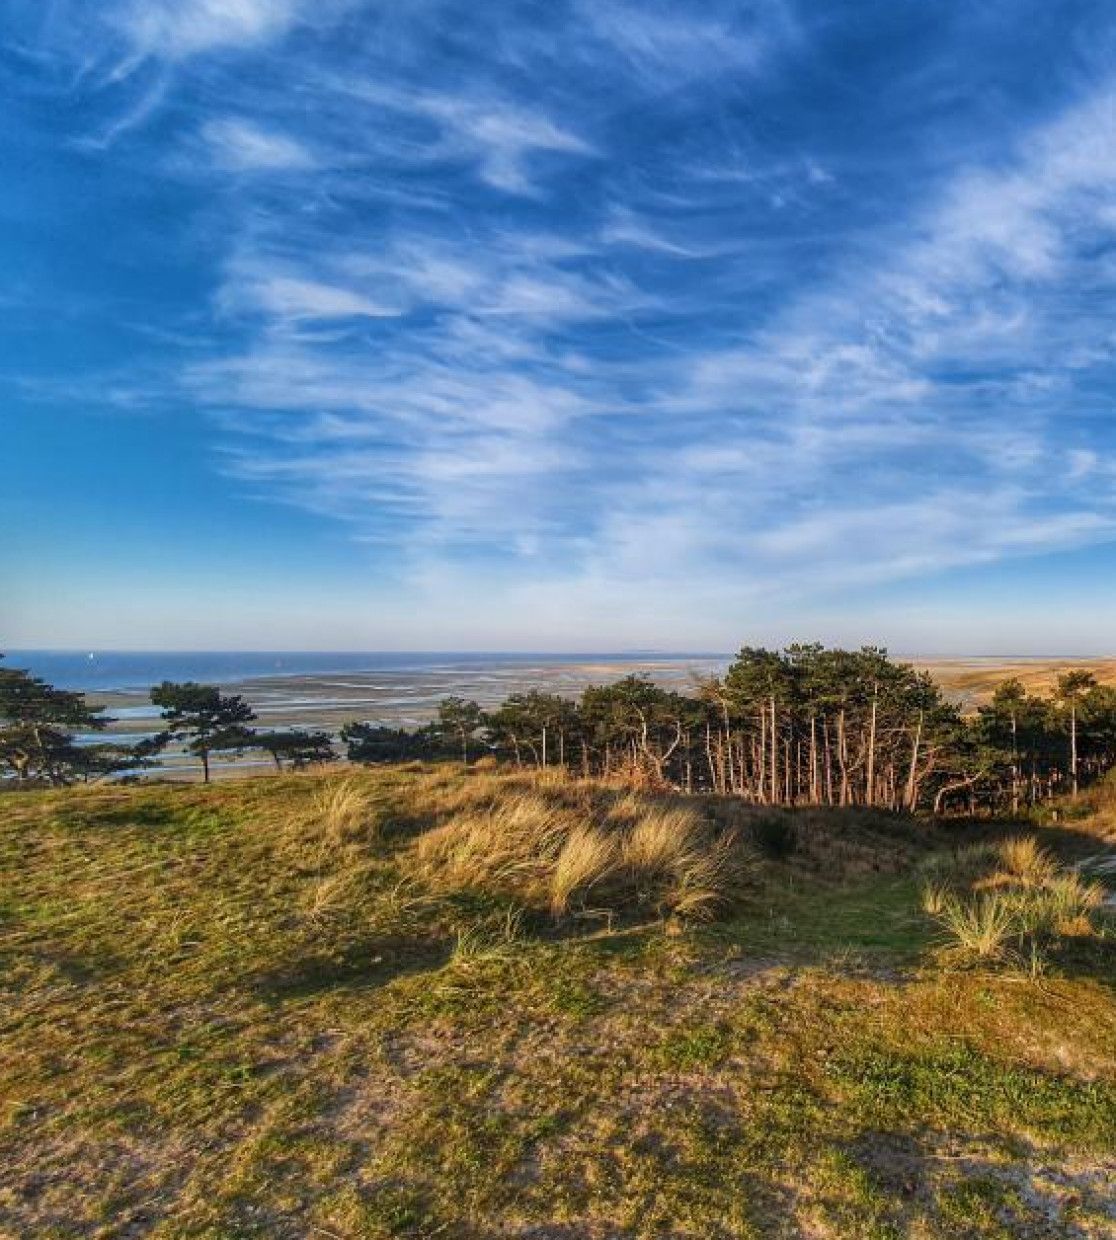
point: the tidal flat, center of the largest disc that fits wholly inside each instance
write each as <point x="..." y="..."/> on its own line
<point x="408" y="697"/>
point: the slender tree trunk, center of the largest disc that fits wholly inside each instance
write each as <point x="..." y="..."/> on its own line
<point x="709" y="754"/>
<point x="731" y="773"/>
<point x="912" y="794"/>
<point x="763" y="755"/>
<point x="1073" y="746"/>
<point x="1014" y="765"/>
<point x="774" y="757"/>
<point x="870" y="774"/>
<point x="828" y="761"/>
<point x="815" y="790"/>
<point x="843" y="757"/>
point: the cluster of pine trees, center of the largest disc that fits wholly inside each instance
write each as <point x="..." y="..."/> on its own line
<point x="802" y="726"/>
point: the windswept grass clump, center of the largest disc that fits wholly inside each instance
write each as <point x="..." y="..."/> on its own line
<point x="1009" y="902"/>
<point x="1024" y="863"/>
<point x="567" y="853"/>
<point x="332" y="837"/>
<point x="343" y="809"/>
<point x="588" y="856"/>
<point x="981" y="928"/>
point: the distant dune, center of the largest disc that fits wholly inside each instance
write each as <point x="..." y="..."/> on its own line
<point x="972" y="681"/>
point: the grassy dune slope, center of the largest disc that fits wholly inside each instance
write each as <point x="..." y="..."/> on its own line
<point x="296" y="1007"/>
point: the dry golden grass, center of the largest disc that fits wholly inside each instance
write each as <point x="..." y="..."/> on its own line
<point x="344" y="810"/>
<point x="1010" y="901"/>
<point x="657" y="838"/>
<point x="672" y="850"/>
<point x="1063" y="905"/>
<point x="1025" y="862"/>
<point x="551" y="843"/>
<point x="511" y="841"/>
<point x="588" y="856"/>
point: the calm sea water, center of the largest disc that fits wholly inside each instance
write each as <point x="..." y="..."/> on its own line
<point x="103" y="671"/>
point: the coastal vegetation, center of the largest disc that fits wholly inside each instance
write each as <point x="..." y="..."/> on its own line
<point x="806" y="726"/>
<point x="469" y="1000"/>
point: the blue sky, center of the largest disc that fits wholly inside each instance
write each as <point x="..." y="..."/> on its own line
<point x="587" y="325"/>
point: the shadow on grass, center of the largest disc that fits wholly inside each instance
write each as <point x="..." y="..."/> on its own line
<point x="1087" y="958"/>
<point x="979" y="1188"/>
<point x="367" y="962"/>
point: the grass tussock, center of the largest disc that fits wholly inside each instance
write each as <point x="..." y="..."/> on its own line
<point x="1008" y="902"/>
<point x="982" y="928"/>
<point x="568" y="849"/>
<point x="344" y="811"/>
<point x="1025" y="863"/>
<point x="588" y="856"/>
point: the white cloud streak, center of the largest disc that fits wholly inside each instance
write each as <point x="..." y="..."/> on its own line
<point x="239" y="145"/>
<point x="175" y="29"/>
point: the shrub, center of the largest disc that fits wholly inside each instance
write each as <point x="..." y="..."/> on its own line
<point x="775" y="835"/>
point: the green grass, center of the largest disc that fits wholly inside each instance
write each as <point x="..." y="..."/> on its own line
<point x="222" y="1016"/>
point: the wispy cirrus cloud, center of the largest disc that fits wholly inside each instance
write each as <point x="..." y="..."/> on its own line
<point x="238" y="145"/>
<point x="174" y="29"/>
<point x="500" y="138"/>
<point x="665" y="42"/>
<point x="787" y="460"/>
